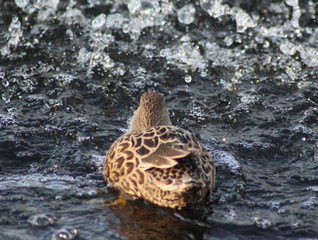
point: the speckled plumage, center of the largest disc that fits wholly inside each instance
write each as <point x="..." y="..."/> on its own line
<point x="163" y="164"/>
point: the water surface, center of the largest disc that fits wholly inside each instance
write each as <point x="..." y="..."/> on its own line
<point x="240" y="75"/>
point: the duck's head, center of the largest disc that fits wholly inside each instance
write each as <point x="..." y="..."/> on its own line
<point x="151" y="112"/>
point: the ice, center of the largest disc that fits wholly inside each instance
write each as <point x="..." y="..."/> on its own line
<point x="186" y="14"/>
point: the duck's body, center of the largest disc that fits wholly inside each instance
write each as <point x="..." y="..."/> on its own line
<point x="161" y="163"/>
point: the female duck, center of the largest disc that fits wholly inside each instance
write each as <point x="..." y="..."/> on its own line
<point x="163" y="164"/>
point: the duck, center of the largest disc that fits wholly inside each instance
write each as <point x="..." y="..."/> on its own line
<point x="158" y="162"/>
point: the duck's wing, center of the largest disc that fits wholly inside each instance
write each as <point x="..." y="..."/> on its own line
<point x="162" y="149"/>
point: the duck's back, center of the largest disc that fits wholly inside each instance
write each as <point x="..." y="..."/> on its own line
<point x="165" y="165"/>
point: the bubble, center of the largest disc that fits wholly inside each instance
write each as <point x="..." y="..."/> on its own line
<point x="187" y="78"/>
<point x="312" y="188"/>
<point x="23" y="154"/>
<point x="227" y="159"/>
<point x="66" y="233"/>
<point x="186" y="14"/>
<point x="42" y="219"/>
<point x="6" y="97"/>
<point x="310" y="203"/>
<point x="70" y="33"/>
<point x="262" y="222"/>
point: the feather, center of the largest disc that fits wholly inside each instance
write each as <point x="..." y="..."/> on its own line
<point x="165" y="156"/>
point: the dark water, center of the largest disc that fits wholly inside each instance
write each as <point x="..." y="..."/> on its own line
<point x="245" y="82"/>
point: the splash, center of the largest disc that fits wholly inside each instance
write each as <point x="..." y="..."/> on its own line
<point x="216" y="9"/>
<point x="186" y="14"/>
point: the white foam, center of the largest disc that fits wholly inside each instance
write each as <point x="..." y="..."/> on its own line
<point x="226" y="159"/>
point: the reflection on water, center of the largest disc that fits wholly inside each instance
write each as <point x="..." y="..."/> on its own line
<point x="137" y="220"/>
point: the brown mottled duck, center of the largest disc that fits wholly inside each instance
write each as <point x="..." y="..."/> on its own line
<point x="158" y="162"/>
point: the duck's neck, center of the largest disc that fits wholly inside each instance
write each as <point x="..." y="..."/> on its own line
<point x="144" y="119"/>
